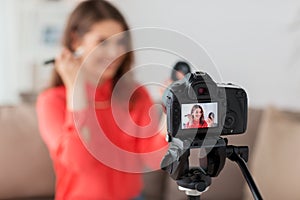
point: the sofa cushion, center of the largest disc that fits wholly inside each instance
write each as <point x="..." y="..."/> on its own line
<point x="26" y="169"/>
<point x="275" y="162"/>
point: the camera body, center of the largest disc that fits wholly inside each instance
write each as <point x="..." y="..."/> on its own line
<point x="197" y="107"/>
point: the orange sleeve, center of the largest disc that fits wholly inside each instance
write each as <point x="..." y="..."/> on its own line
<point x="56" y="124"/>
<point x="51" y="118"/>
<point x="155" y="143"/>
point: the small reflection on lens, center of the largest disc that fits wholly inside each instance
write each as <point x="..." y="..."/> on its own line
<point x="201" y="90"/>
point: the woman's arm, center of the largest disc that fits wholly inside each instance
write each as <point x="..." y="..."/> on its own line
<point x="63" y="111"/>
<point x="72" y="73"/>
<point x="52" y="117"/>
<point x="60" y="129"/>
<point x="155" y="144"/>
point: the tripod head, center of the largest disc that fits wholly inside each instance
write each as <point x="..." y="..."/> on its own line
<point x="196" y="180"/>
<point x="176" y="163"/>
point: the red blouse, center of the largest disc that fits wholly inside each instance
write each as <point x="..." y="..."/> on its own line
<point x="94" y="165"/>
<point x="196" y="124"/>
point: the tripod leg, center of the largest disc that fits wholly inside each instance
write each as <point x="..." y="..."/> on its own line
<point x="249" y="179"/>
<point x="234" y="154"/>
<point x="193" y="197"/>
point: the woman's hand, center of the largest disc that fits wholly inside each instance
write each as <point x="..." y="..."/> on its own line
<point x="209" y="122"/>
<point x="190" y="117"/>
<point x="68" y="67"/>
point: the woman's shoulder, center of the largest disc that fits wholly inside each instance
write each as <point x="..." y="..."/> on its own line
<point x="141" y="94"/>
<point x="142" y="91"/>
<point x="54" y="93"/>
<point x="140" y="99"/>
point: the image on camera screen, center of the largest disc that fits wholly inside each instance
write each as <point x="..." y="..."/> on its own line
<point x="199" y="115"/>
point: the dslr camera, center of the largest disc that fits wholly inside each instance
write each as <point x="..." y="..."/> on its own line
<point x="197" y="107"/>
<point x="199" y="110"/>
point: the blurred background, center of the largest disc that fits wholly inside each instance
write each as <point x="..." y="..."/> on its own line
<point x="255" y="44"/>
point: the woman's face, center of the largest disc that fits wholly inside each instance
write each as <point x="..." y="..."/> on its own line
<point x="197" y="114"/>
<point x="103" y="57"/>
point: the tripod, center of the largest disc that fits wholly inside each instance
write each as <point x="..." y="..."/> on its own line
<point x="194" y="181"/>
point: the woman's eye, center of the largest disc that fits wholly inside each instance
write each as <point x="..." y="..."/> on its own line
<point x="104" y="43"/>
<point x="122" y="42"/>
<point x="101" y="42"/>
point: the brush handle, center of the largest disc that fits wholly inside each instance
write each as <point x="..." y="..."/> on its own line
<point x="51" y="61"/>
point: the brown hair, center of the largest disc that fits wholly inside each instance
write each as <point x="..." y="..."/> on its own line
<point x="202" y="113"/>
<point x="80" y="22"/>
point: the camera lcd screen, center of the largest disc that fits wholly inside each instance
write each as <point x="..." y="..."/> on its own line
<point x="199" y="115"/>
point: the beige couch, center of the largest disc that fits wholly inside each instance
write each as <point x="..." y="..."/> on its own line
<point x="26" y="170"/>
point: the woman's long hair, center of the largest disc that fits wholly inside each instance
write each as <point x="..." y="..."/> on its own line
<point x="80" y="22"/>
<point x="202" y="113"/>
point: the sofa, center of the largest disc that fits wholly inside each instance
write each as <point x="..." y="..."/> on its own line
<point x="26" y="170"/>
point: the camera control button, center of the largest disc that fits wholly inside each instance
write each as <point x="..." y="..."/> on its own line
<point x="240" y="94"/>
<point x="230" y="120"/>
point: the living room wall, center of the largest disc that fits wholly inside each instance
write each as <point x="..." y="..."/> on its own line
<point x="254" y="44"/>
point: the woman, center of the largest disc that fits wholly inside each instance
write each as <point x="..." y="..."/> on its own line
<point x="196" y="118"/>
<point x="89" y="161"/>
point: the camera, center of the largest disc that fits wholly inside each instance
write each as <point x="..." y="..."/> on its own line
<point x="197" y="107"/>
<point x="199" y="110"/>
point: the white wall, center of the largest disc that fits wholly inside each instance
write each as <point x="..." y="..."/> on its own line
<point x="255" y="44"/>
<point x="22" y="50"/>
<point x="8" y="46"/>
